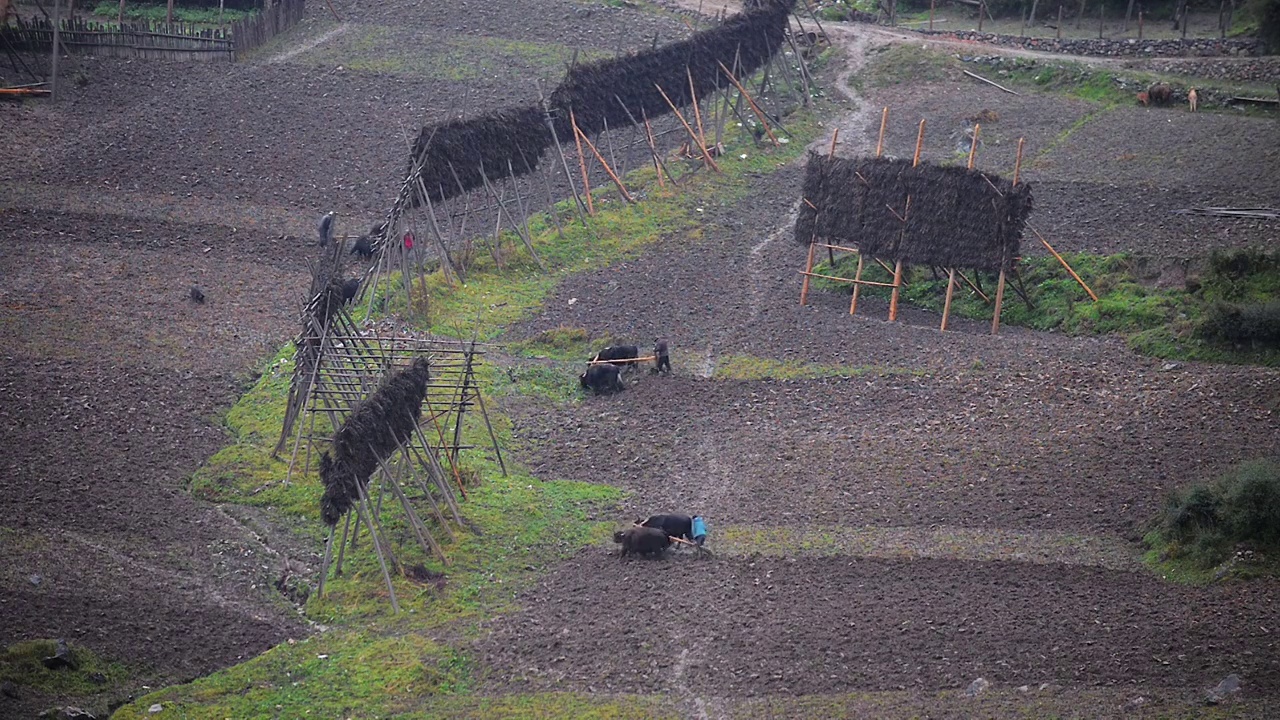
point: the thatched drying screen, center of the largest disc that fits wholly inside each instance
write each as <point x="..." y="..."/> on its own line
<point x="957" y="218"/>
<point x="452" y="153"/>
<point x="597" y="93"/>
<point x="373" y="432"/>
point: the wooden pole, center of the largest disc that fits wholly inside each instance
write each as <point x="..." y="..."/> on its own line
<point x="711" y="163"/>
<point x="973" y="146"/>
<point x="1017" y="165"/>
<point x="857" y="287"/>
<point x="808" y="268"/>
<point x="564" y="163"/>
<point x="764" y="122"/>
<point x="995" y="319"/>
<point x="1059" y="21"/>
<point x="653" y="150"/>
<point x="915" y="160"/>
<point x="120" y="15"/>
<point x="835" y="135"/>
<point x="328" y="556"/>
<point x="612" y="176"/>
<point x="932" y="7"/>
<point x="582" y="163"/>
<point x="951" y="274"/>
<point x="53" y="63"/>
<point x="168" y="16"/>
<point x="362" y="506"/>
<point x="906" y="213"/>
<point x="982" y="10"/>
<point x="697" y="111"/>
<point x="1080" y="15"/>
<point x="884" y="119"/>
<point x="1063" y="260"/>
<point x="1139" y="24"/>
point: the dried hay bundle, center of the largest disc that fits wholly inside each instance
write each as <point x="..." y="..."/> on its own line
<point x="593" y="91"/>
<point x="373" y="431"/>
<point x="958" y="217"/>
<point x="516" y="135"/>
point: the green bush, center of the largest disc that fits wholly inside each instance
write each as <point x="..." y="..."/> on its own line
<point x="1204" y="522"/>
<point x="1251" y="504"/>
<point x="1254" y="326"/>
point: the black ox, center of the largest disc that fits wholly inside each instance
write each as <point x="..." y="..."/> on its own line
<point x="602" y="379"/>
<point x="642" y="541"/>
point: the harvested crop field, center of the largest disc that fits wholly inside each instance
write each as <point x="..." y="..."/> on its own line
<point x="895" y="512"/>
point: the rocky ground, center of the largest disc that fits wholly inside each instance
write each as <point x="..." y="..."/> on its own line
<point x="119" y="198"/>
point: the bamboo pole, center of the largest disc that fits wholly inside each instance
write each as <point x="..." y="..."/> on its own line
<point x="524" y="218"/>
<point x="1066" y="265"/>
<point x="582" y="163"/>
<point x="710" y="162"/>
<point x="366" y="512"/>
<point x="342" y="546"/>
<point x="328" y="556"/>
<point x="808" y="268"/>
<point x="884" y="118"/>
<point x="951" y="273"/>
<point x="906" y="212"/>
<point x="764" y="121"/>
<point x="653" y="149"/>
<point x="697" y="110"/>
<point x="1004" y="261"/>
<point x="612" y="176"/>
<point x="857" y="288"/>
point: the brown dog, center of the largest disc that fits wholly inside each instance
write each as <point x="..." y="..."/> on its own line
<point x="1193" y="99"/>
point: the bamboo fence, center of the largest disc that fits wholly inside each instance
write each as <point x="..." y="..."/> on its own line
<point x="178" y="41"/>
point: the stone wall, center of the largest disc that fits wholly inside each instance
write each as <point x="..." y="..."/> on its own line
<point x="1131" y="47"/>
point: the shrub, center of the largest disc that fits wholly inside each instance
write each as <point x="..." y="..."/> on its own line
<point x="1256" y="326"/>
<point x="1203" y="522"/>
<point x="1251" y="503"/>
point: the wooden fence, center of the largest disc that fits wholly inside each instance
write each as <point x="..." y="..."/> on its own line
<point x="273" y="20"/>
<point x="156" y="40"/>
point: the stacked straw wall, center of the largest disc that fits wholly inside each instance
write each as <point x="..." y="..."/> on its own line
<point x="519" y="136"/>
<point x="957" y="218"/>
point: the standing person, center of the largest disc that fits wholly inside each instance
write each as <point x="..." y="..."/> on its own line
<point x="661" y="353"/>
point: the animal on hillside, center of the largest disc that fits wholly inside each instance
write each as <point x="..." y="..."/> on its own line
<point x="662" y="355"/>
<point x="363" y="248"/>
<point x="677" y="526"/>
<point x="602" y="379"/>
<point x="1158" y="94"/>
<point x="326" y="229"/>
<point x="618" y="352"/>
<point x="639" y="540"/>
<point x="1193" y="99"/>
<point x="350" y="289"/>
<point x="196" y="295"/>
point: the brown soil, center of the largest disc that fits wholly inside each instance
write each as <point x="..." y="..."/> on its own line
<point x="123" y="195"/>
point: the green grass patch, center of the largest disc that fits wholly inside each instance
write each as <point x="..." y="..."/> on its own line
<point x="748" y="367"/>
<point x="1163" y="322"/>
<point x="158" y="13"/>
<point x="21" y="664"/>
<point x="909" y="63"/>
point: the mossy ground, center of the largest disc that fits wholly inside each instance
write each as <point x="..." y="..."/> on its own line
<point x="89" y="683"/>
<point x="1158" y="321"/>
